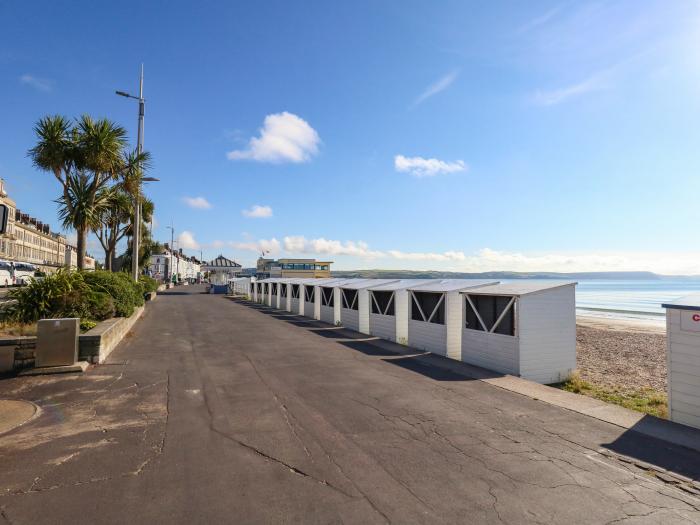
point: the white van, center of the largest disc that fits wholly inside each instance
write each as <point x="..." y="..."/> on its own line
<point x="6" y="274"/>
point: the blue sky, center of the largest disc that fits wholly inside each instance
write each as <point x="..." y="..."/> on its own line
<point x="444" y="135"/>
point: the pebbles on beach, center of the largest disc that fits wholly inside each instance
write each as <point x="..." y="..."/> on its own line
<point x="621" y="357"/>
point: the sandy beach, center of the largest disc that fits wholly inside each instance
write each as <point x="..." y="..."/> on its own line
<point x="621" y="354"/>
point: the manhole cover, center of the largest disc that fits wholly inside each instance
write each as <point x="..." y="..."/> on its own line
<point x="14" y="413"/>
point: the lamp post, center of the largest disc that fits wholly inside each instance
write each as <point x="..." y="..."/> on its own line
<point x="172" y="251"/>
<point x="136" y="229"/>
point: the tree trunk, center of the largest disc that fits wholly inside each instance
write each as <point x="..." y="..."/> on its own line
<point x="109" y="259"/>
<point x="82" y="245"/>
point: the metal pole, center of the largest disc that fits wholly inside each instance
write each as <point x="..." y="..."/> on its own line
<point x="137" y="200"/>
<point x="172" y="250"/>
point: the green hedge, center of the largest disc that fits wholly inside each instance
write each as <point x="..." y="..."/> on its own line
<point x="95" y="296"/>
<point x="149" y="283"/>
<point x="126" y="293"/>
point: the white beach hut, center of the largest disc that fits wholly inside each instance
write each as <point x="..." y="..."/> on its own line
<point x="295" y="295"/>
<point x="432" y="308"/>
<point x="328" y="299"/>
<point x="524" y="328"/>
<point x="352" y="302"/>
<point x="683" y="359"/>
<point x="385" y="319"/>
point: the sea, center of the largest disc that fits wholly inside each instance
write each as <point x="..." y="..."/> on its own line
<point x="630" y="299"/>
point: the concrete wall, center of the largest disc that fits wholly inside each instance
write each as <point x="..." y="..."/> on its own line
<point x="93" y="346"/>
<point x="98" y="343"/>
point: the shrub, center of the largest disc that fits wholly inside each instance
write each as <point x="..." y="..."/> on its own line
<point x="149" y="284"/>
<point x="58" y="295"/>
<point x="87" y="324"/>
<point x="125" y="293"/>
<point x="98" y="306"/>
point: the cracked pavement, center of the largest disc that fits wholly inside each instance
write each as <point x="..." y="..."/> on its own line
<point x="214" y="410"/>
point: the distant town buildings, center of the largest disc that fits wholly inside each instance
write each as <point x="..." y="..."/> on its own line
<point x="30" y="240"/>
<point x="163" y="266"/>
<point x="292" y="268"/>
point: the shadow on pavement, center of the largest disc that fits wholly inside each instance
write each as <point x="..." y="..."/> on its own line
<point x="657" y="451"/>
<point x="368" y="348"/>
<point x="417" y="364"/>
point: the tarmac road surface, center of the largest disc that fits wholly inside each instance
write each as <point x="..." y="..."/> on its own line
<point x="218" y="411"/>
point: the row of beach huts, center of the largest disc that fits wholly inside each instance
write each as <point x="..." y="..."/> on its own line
<point x="524" y="328"/>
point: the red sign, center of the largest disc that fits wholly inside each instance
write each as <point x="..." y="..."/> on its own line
<point x="696" y="317"/>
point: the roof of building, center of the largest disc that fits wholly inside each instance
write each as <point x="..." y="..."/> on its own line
<point x="519" y="288"/>
<point x="222" y="262"/>
<point x="689" y="302"/>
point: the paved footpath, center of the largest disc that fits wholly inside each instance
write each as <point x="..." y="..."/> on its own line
<point x="215" y="411"/>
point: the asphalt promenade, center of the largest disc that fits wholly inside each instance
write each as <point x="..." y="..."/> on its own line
<point x="221" y="411"/>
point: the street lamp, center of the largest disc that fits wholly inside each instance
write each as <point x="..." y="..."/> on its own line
<point x="137" y="204"/>
<point x="172" y="248"/>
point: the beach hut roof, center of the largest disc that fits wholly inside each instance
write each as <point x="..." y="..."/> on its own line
<point x="399" y="284"/>
<point x="361" y="284"/>
<point x="689" y="302"/>
<point x="518" y="288"/>
<point x="451" y="285"/>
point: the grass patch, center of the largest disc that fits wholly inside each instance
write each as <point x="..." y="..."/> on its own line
<point x="645" y="400"/>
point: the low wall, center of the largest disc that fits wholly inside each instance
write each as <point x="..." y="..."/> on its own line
<point x="94" y="345"/>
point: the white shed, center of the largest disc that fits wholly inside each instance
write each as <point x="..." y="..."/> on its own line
<point x="329" y="298"/>
<point x="523" y="328"/>
<point x="683" y="359"/>
<point x="433" y="308"/>
<point x="385" y="319"/>
<point x="353" y="303"/>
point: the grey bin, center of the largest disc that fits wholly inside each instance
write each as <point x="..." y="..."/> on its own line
<point x="57" y="342"/>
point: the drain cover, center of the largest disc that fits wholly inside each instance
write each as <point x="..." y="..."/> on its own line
<point x="14" y="413"/>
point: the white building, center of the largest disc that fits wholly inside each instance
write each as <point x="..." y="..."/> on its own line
<point x="164" y="266"/>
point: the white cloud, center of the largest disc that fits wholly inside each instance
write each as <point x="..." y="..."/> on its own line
<point x="300" y="244"/>
<point x="199" y="203"/>
<point x="427" y="256"/>
<point x="40" y="84"/>
<point x="483" y="260"/>
<point x="258" y="212"/>
<point x="420" y="167"/>
<point x="186" y="241"/>
<point x="440" y="85"/>
<point x="284" y="137"/>
<point x="557" y="96"/>
<point x="271" y="246"/>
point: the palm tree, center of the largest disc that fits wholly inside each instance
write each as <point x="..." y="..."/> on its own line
<point x="86" y="157"/>
<point x="114" y="223"/>
<point x="81" y="209"/>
